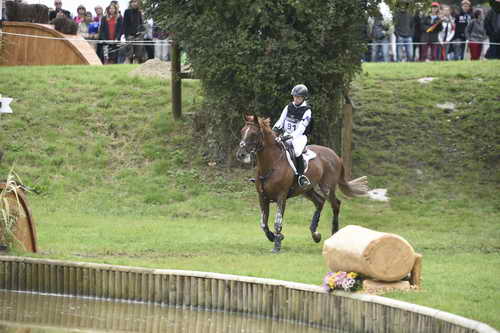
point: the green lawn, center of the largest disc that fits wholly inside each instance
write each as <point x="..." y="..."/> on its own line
<point x="124" y="184"/>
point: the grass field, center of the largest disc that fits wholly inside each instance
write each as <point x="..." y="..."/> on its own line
<point x="122" y="183"/>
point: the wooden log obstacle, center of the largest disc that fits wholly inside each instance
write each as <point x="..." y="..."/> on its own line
<point x="383" y="257"/>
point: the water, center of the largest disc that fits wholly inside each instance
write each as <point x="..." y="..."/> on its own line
<point x="39" y="313"/>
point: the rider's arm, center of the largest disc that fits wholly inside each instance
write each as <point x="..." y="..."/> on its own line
<point x="302" y="125"/>
<point x="279" y="123"/>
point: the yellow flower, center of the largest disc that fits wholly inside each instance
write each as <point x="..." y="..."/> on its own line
<point x="331" y="282"/>
<point x="352" y="275"/>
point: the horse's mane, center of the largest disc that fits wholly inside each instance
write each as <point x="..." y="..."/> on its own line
<point x="265" y="124"/>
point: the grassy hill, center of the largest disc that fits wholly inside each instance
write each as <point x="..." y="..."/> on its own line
<point x="122" y="183"/>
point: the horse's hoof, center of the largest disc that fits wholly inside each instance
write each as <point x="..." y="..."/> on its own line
<point x="275" y="250"/>
<point x="316" y="237"/>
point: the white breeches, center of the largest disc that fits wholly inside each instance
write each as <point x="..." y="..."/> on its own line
<point x="299" y="143"/>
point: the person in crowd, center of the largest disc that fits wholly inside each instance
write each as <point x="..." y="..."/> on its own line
<point x="81" y="12"/>
<point x="366" y="32"/>
<point x="117" y="5"/>
<point x="404" y="28"/>
<point x="148" y="37"/>
<point x="462" y="19"/>
<point x="133" y="29"/>
<point x="83" y="26"/>
<point x="120" y="59"/>
<point x="111" y="29"/>
<point x="93" y="30"/>
<point x="161" y="43"/>
<point x="58" y="9"/>
<point x="417" y="18"/>
<point x="381" y="38"/>
<point x="446" y="32"/>
<point x="475" y="33"/>
<point x="492" y="26"/>
<point x="430" y="28"/>
<point x="98" y="13"/>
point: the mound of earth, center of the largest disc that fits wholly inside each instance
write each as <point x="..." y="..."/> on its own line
<point x="155" y="67"/>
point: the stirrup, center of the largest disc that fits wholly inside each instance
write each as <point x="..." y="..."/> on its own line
<point x="303" y="181"/>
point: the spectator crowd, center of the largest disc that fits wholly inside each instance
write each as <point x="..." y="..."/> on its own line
<point x="117" y="38"/>
<point x="444" y="33"/>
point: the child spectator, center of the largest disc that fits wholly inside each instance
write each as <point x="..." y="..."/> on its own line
<point x="80" y="14"/>
<point x="447" y="31"/>
<point x="476" y="34"/>
<point x="462" y="19"/>
<point x="83" y="26"/>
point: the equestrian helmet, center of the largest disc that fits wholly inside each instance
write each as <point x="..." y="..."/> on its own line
<point x="300" y="90"/>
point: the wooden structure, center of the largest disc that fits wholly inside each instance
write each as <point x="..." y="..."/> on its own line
<point x="24" y="230"/>
<point x="28" y="51"/>
<point x="280" y="300"/>
<point x="347" y="136"/>
<point x="377" y="255"/>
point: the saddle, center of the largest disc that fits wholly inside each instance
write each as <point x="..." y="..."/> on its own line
<point x="307" y="155"/>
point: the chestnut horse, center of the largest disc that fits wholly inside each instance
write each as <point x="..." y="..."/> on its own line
<point x="276" y="181"/>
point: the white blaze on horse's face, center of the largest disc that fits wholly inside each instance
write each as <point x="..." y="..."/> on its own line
<point x="243" y="155"/>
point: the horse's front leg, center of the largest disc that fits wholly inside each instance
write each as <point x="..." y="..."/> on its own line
<point x="264" y="217"/>
<point x="278" y="224"/>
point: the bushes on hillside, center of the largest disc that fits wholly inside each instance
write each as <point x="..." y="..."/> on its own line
<point x="250" y="54"/>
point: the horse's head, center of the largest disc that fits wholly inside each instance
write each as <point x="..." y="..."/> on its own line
<point x="251" y="139"/>
<point x="254" y="137"/>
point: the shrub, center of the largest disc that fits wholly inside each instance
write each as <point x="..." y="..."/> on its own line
<point x="250" y="54"/>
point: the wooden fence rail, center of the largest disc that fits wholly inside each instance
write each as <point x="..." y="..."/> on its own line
<point x="282" y="300"/>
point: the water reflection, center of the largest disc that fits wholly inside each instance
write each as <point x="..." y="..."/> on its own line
<point x="30" y="313"/>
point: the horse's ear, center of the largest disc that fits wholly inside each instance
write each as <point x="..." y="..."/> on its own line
<point x="264" y="122"/>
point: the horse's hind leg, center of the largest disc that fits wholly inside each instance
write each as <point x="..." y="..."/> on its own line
<point x="336" y="210"/>
<point x="318" y="201"/>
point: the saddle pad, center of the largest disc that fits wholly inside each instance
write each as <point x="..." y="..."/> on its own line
<point x="307" y="155"/>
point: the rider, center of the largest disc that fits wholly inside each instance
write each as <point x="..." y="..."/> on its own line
<point x="293" y="121"/>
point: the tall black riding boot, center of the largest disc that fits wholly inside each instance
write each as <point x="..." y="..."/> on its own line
<point x="301" y="178"/>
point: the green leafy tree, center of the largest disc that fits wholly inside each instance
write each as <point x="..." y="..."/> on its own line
<point x="249" y="54"/>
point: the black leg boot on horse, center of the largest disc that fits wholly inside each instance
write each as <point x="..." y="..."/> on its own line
<point x="302" y="179"/>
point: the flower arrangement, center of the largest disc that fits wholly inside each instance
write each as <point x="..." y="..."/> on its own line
<point x="348" y="281"/>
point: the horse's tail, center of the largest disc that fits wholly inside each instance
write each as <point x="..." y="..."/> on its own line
<point x="354" y="188"/>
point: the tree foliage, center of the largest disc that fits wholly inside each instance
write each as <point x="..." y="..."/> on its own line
<point x="249" y="54"/>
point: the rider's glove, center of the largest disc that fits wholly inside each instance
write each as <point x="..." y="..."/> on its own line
<point x="276" y="129"/>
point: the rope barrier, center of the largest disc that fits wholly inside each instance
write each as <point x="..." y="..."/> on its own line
<point x="97" y="41"/>
<point x="168" y="42"/>
<point x="433" y="43"/>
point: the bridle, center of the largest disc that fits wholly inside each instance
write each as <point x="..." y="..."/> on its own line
<point x="255" y="146"/>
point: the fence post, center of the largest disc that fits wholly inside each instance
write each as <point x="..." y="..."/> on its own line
<point x="176" y="80"/>
<point x="347" y="136"/>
